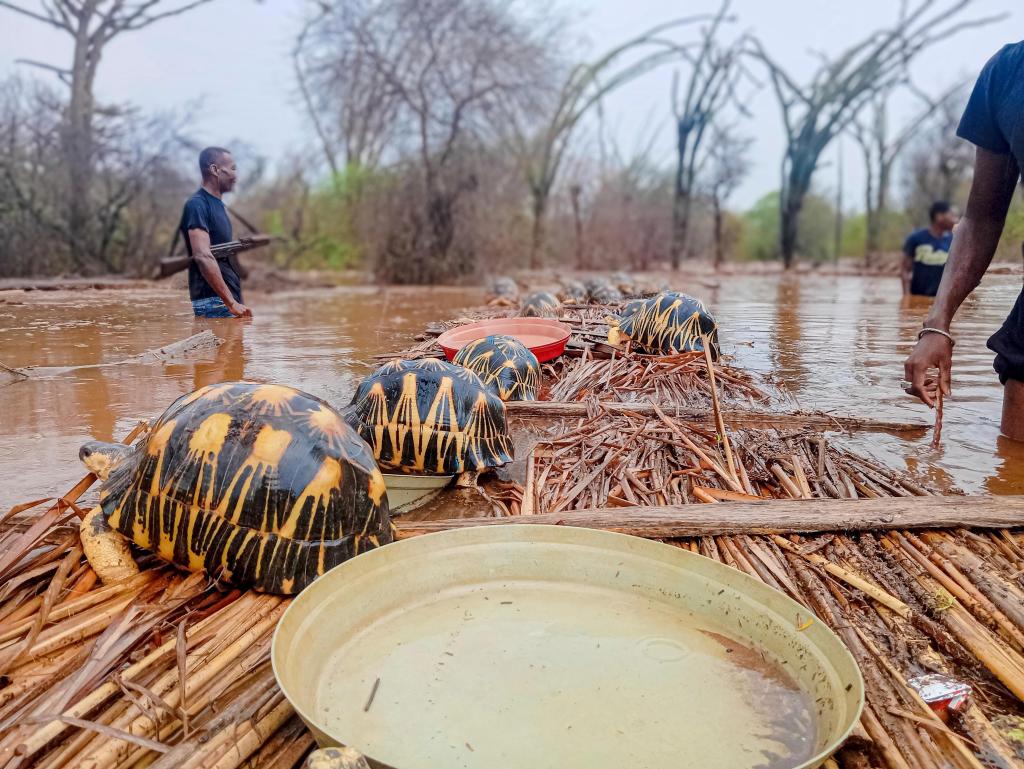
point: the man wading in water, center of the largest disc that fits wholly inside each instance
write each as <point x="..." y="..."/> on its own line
<point x="213" y="284"/>
<point x="926" y="251"/>
<point x="994" y="123"/>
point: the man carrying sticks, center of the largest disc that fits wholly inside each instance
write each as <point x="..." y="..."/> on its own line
<point x="213" y="285"/>
<point x="994" y="123"/>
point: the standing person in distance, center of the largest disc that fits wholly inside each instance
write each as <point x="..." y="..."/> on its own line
<point x="926" y="251"/>
<point x="213" y="285"/>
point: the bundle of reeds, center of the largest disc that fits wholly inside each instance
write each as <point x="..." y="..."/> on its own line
<point x="162" y="670"/>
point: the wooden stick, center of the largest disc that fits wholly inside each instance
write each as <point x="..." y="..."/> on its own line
<point x="937" y="436"/>
<point x="719" y="422"/>
<point x="769" y="517"/>
<point x="735" y="417"/>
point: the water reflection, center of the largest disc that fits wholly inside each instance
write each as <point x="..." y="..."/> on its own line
<point x="228" y="364"/>
<point x="1008" y="477"/>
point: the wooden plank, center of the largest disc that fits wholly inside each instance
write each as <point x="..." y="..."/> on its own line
<point x="769" y="517"/>
<point x="734" y="418"/>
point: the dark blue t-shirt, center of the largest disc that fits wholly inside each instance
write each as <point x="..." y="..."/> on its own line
<point x="929" y="254"/>
<point x="204" y="211"/>
<point x="994" y="118"/>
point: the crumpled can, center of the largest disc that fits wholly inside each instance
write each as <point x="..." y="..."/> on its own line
<point x="943" y="694"/>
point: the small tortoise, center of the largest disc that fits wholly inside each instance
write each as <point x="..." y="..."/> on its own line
<point x="624" y="282"/>
<point x="540" y="304"/>
<point x="505" y="365"/>
<point x="259" y="485"/>
<point x="671" y="323"/>
<point x="430" y="416"/>
<point x="573" y="292"/>
<point x="603" y="292"/>
<point x="503" y="290"/>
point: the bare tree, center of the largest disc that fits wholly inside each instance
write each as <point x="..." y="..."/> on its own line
<point x="91" y="24"/>
<point x="135" y="169"/>
<point x="937" y="164"/>
<point x="813" y="114"/>
<point x="881" y="151"/>
<point x="540" y="145"/>
<point x="727" y="165"/>
<point x="713" y="71"/>
<point x="352" y="107"/>
<point x="443" y="68"/>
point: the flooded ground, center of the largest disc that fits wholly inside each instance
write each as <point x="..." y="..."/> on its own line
<point x="837" y="343"/>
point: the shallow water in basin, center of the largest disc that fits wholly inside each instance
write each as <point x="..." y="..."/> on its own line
<point x="552" y="675"/>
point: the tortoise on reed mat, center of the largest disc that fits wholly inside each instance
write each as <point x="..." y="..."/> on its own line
<point x="670" y="323"/>
<point x="430" y="416"/>
<point x="624" y="282"/>
<point x="260" y="485"/>
<point x="503" y="290"/>
<point x="573" y="292"/>
<point x="503" y="364"/>
<point x="540" y="304"/>
<point x="603" y="292"/>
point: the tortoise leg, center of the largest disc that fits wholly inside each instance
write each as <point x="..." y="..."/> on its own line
<point x="336" y="758"/>
<point x="105" y="549"/>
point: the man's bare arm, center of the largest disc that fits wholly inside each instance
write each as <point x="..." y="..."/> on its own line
<point x="906" y="272"/>
<point x="207" y="263"/>
<point x="974" y="245"/>
<point x="995" y="180"/>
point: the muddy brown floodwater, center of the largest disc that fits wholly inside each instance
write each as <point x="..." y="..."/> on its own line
<point x="836" y="342"/>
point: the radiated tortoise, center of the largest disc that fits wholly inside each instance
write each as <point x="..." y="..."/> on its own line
<point x="259" y="485"/>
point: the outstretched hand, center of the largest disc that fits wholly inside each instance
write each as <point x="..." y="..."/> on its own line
<point x="933" y="351"/>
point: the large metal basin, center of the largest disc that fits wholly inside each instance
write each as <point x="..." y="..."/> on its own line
<point x="551" y="646"/>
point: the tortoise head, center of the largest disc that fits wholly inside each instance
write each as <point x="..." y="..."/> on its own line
<point x="101" y="457"/>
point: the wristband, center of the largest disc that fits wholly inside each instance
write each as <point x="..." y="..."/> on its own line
<point x="931" y="330"/>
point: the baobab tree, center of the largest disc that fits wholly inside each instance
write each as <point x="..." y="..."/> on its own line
<point x="91" y="25"/>
<point x="813" y="114"/>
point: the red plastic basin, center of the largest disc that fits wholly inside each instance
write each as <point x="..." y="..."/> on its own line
<point x="545" y="337"/>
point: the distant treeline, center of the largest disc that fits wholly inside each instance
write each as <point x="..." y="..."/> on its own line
<point x="450" y="138"/>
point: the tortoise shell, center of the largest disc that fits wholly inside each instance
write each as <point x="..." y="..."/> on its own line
<point x="573" y="292"/>
<point x="260" y="485"/>
<point x="430" y="416"/>
<point x="540" y="304"/>
<point x="504" y="288"/>
<point x="503" y="364"/>
<point x="671" y="323"/>
<point x="624" y="282"/>
<point x="603" y="292"/>
<point x="631" y="307"/>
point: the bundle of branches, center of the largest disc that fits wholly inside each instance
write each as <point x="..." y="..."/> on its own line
<point x="947" y="602"/>
<point x="623" y="459"/>
<point x="163" y="670"/>
<point x="680" y="380"/>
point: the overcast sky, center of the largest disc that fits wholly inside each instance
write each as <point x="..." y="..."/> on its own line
<point x="233" y="54"/>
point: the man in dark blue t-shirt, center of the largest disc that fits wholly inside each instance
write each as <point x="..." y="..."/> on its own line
<point x="994" y="123"/>
<point x="213" y="285"/>
<point x="926" y="251"/>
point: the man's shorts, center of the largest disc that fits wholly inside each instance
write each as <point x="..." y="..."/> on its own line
<point x="211" y="307"/>
<point x="1008" y="345"/>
